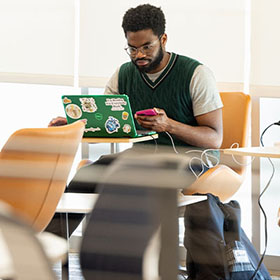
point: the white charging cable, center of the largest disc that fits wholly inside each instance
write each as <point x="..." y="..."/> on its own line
<point x="204" y="160"/>
<point x="206" y="156"/>
<point x="172" y="142"/>
<point x="236" y="145"/>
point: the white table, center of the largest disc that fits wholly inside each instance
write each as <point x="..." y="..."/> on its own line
<point x="79" y="203"/>
<point x="113" y="141"/>
<point x="270" y="152"/>
<point x="83" y="203"/>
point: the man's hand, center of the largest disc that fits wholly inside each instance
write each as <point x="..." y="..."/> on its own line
<point x="158" y="123"/>
<point x="207" y="134"/>
<point x="58" y="121"/>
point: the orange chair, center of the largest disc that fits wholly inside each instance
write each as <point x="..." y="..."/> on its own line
<point x="34" y="167"/>
<point x="222" y="180"/>
<point x="235" y="118"/>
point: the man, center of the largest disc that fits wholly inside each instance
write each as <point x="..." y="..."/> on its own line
<point x="182" y="90"/>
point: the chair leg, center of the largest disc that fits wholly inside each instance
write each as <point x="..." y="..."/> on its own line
<point x="65" y="230"/>
<point x="65" y="270"/>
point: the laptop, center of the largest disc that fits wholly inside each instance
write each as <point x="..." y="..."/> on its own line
<point x="105" y="115"/>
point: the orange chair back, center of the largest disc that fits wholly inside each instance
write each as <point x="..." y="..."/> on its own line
<point x="34" y="168"/>
<point x="235" y="118"/>
<point x="225" y="179"/>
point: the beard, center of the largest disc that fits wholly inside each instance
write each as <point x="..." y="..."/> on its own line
<point x="153" y="63"/>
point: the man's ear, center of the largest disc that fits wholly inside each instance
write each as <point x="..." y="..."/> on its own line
<point x="163" y="39"/>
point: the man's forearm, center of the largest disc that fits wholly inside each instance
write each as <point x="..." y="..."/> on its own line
<point x="200" y="136"/>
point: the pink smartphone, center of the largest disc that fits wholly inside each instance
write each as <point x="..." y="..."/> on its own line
<point x="147" y="112"/>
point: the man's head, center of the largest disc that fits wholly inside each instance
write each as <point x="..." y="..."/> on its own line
<point x="144" y="28"/>
<point x="144" y="17"/>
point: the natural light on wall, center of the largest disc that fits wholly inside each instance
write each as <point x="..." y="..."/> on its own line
<point x="212" y="32"/>
<point x="37" y="41"/>
<point x="53" y="42"/>
<point x="25" y="105"/>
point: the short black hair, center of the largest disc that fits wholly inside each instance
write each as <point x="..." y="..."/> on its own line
<point x="144" y="17"/>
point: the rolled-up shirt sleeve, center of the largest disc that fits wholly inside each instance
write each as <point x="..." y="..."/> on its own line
<point x="204" y="92"/>
<point x="112" y="86"/>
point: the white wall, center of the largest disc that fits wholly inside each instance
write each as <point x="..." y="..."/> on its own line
<point x="45" y="41"/>
<point x="25" y="105"/>
<point x="37" y="41"/>
<point x="265" y="43"/>
<point x="210" y="31"/>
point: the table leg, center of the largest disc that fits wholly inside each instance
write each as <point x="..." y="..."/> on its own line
<point x="65" y="271"/>
<point x="85" y="150"/>
<point x="65" y="267"/>
<point x="115" y="148"/>
<point x="112" y="148"/>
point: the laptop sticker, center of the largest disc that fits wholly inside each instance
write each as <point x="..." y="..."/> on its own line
<point x="88" y="105"/>
<point x="125" y="115"/>
<point x="92" y="129"/>
<point x="116" y="103"/>
<point x="98" y="116"/>
<point x="112" y="125"/>
<point x="66" y="100"/>
<point x="126" y="128"/>
<point x="73" y="111"/>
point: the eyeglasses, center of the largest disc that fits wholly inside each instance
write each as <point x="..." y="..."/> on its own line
<point x="146" y="49"/>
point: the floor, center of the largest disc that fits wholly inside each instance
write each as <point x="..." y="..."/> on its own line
<point x="75" y="271"/>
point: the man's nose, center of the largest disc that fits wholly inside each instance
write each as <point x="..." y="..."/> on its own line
<point x="140" y="54"/>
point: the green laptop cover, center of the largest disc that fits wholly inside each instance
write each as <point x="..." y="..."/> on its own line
<point x="105" y="115"/>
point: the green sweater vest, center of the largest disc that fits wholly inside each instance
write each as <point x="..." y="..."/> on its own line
<point x="169" y="92"/>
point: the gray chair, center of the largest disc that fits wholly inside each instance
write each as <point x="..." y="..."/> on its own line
<point x="132" y="232"/>
<point x="24" y="257"/>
